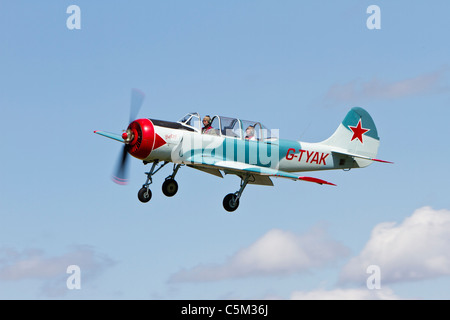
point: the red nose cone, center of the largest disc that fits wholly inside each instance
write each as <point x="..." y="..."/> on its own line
<point x="124" y="136"/>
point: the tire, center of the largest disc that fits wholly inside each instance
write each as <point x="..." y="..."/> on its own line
<point x="170" y="187"/>
<point x="144" y="195"/>
<point x="230" y="203"/>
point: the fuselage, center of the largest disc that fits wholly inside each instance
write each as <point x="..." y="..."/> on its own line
<point x="183" y="145"/>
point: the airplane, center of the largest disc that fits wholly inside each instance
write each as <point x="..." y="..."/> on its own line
<point x="223" y="145"/>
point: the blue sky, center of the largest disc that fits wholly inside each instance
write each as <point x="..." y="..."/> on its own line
<point x="296" y="66"/>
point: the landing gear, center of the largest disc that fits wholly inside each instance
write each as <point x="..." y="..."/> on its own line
<point x="169" y="187"/>
<point x="144" y="194"/>
<point x="231" y="200"/>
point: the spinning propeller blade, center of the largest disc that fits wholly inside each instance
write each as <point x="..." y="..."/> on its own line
<point x="121" y="173"/>
<point x="137" y="98"/>
<point x="120" y="177"/>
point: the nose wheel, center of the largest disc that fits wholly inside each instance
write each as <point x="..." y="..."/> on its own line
<point x="144" y="194"/>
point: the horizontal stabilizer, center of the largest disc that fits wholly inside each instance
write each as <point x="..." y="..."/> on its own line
<point x="359" y="156"/>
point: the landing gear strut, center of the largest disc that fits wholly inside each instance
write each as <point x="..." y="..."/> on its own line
<point x="231" y="200"/>
<point x="145" y="194"/>
<point x="169" y="187"/>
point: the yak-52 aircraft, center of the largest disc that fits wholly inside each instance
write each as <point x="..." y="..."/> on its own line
<point x="240" y="147"/>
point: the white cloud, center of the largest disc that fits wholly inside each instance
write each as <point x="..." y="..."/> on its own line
<point x="35" y="264"/>
<point x="345" y="294"/>
<point x="418" y="248"/>
<point x="358" y="90"/>
<point x="277" y="252"/>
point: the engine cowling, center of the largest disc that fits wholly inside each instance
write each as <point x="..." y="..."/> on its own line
<point x="141" y="138"/>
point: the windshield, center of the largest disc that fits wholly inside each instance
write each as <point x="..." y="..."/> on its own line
<point x="192" y="120"/>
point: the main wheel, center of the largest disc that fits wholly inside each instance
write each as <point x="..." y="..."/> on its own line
<point x="170" y="187"/>
<point x="230" y="203"/>
<point x="144" y="194"/>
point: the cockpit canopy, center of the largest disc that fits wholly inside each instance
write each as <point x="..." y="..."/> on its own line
<point x="230" y="127"/>
<point x="191" y="120"/>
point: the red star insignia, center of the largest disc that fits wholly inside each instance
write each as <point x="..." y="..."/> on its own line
<point x="358" y="131"/>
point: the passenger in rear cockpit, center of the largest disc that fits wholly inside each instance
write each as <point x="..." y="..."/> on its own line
<point x="250" y="133"/>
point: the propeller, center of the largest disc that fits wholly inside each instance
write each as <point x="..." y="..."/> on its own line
<point x="121" y="172"/>
<point x="137" y="98"/>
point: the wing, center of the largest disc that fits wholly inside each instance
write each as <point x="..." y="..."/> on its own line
<point x="213" y="171"/>
<point x="261" y="175"/>
<point x="358" y="156"/>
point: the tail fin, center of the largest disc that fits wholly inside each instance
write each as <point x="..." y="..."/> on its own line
<point x="356" y="136"/>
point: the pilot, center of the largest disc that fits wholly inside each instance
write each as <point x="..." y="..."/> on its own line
<point x="250" y="133"/>
<point x="206" y="124"/>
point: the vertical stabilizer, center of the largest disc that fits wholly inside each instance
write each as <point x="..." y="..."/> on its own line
<point x="357" y="134"/>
